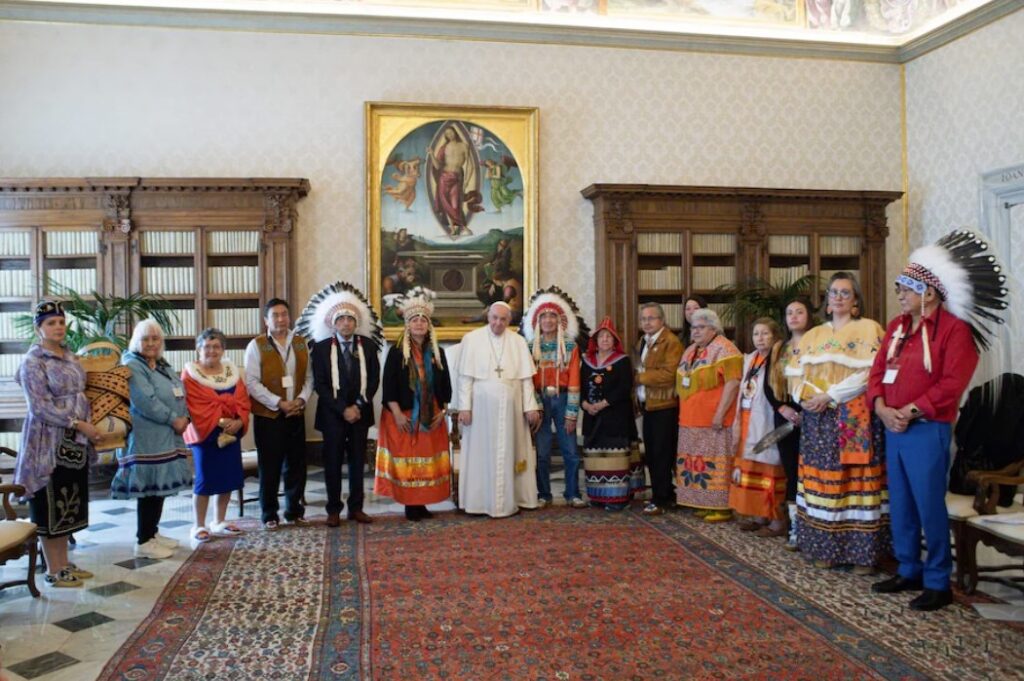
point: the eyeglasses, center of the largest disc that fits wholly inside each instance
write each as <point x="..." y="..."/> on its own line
<point x="649" y="319"/>
<point x="841" y="294"/>
<point x="698" y="327"/>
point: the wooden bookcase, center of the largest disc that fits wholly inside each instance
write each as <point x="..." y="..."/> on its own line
<point x="660" y="243"/>
<point x="218" y="248"/>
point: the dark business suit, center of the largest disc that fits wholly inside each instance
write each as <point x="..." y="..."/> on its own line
<point x="344" y="441"/>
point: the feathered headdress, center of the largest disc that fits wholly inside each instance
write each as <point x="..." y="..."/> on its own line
<point x="339" y="299"/>
<point x="965" y="274"/>
<point x="570" y="322"/>
<point x="417" y="302"/>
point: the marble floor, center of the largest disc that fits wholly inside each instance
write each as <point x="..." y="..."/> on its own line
<point x="69" y="634"/>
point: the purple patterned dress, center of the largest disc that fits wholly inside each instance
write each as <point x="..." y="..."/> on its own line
<point x="53" y="460"/>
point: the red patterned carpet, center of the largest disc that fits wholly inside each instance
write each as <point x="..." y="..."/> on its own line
<point x="555" y="594"/>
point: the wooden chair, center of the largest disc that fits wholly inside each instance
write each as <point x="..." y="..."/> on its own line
<point x="250" y="469"/>
<point x="17" y="538"/>
<point x="1003" y="537"/>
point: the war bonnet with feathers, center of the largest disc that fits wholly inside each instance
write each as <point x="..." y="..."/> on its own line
<point x="570" y="322"/>
<point x="966" y="276"/>
<point x="418" y="302"/>
<point x="316" y="323"/>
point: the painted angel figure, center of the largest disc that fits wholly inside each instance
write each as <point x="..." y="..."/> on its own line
<point x="499" y="176"/>
<point x="404" y="191"/>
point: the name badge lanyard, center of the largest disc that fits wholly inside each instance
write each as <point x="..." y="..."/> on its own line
<point x="750" y="381"/>
<point x="692" y="362"/>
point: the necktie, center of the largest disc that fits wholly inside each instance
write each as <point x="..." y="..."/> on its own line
<point x="346" y="354"/>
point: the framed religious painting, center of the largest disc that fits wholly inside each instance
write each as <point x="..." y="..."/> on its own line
<point x="451" y="206"/>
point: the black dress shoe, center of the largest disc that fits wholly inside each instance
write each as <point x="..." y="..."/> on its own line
<point x="412" y="513"/>
<point x="896" y="584"/>
<point x="425" y="513"/>
<point x="931" y="599"/>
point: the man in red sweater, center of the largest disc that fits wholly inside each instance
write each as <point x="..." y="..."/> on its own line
<point x="919" y="375"/>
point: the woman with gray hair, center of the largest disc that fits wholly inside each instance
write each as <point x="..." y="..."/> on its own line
<point x="219" y="406"/>
<point x="155" y="463"/>
<point x="707" y="381"/>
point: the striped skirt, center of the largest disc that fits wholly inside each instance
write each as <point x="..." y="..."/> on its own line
<point x="843" y="509"/>
<point x="412" y="468"/>
<point x="761" y="491"/>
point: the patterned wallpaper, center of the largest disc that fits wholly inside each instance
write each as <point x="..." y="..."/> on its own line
<point x="965" y="117"/>
<point x="101" y="100"/>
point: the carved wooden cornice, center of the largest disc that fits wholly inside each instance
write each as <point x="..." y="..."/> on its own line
<point x="628" y="192"/>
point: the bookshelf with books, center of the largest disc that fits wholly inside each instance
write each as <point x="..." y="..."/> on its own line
<point x="165" y="236"/>
<point x="664" y="243"/>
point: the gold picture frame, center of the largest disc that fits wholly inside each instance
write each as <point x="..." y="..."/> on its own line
<point x="452" y="204"/>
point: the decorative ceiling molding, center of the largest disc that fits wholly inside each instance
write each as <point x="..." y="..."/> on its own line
<point x="828" y="45"/>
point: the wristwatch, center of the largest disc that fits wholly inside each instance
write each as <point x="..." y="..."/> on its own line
<point x="914" y="411"/>
<point x="74" y="423"/>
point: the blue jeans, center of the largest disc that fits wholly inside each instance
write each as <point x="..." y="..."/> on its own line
<point x="917" y="463"/>
<point x="554" y="415"/>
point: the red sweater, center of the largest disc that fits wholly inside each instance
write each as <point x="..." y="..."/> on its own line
<point x="954" y="358"/>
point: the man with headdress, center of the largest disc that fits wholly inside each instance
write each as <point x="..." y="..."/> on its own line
<point x="926" y="360"/>
<point x="552" y="328"/>
<point x="413" y="466"/>
<point x="497" y="409"/>
<point x="346" y="337"/>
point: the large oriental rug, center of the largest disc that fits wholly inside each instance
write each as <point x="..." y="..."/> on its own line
<point x="555" y="594"/>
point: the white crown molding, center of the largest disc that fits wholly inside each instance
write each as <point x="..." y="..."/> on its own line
<point x="446" y="26"/>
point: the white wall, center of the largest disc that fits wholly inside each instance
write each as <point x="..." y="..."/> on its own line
<point x="102" y="100"/>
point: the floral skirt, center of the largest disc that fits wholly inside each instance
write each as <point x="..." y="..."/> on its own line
<point x="62" y="507"/>
<point x="703" y="467"/>
<point x="843" y="508"/>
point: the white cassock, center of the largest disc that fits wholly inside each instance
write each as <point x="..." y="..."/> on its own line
<point x="496" y="384"/>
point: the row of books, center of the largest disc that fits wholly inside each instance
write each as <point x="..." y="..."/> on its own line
<point x="781" y="276"/>
<point x="72" y="243"/>
<point x="236" y="321"/>
<point x="11" y="440"/>
<point x="788" y="245"/>
<point x="9" y="363"/>
<point x="184" y="324"/>
<point x="235" y="279"/>
<point x="8" y="330"/>
<point x="667" y="278"/>
<point x="167" y="243"/>
<point x="825" y="275"/>
<point x="17" y="244"/>
<point x="179" y="358"/>
<point x="675" y="318"/>
<point x="169" y="280"/>
<point x="664" y="243"/>
<point x="233" y="242"/>
<point x="839" y="245"/>
<point x="706" y="278"/>
<point x="714" y="244"/>
<point x="16" y="283"/>
<point x="81" y="280"/>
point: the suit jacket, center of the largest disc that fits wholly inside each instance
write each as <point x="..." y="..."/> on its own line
<point x="659" y="374"/>
<point x="329" y="409"/>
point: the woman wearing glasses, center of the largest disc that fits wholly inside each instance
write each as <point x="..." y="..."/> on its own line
<point x="842" y="498"/>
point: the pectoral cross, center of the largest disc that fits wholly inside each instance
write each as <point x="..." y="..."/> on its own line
<point x="498" y="371"/>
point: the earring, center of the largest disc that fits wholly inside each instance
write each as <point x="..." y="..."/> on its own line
<point x="855" y="311"/>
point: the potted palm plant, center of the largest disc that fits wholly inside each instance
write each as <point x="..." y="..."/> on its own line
<point x="758" y="298"/>
<point x="94" y="316"/>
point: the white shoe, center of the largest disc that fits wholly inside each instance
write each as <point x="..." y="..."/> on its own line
<point x="165" y="541"/>
<point x="153" y="549"/>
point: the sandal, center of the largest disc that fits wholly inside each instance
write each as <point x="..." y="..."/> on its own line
<point x="200" y="534"/>
<point x="225" y="529"/>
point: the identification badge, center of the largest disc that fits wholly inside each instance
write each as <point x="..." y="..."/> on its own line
<point x="178" y="392"/>
<point x="287" y="382"/>
<point x="890" y="376"/>
<point x="745" y="403"/>
<point x="686" y="381"/>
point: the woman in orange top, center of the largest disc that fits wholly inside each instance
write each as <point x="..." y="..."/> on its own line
<point x="758" y="480"/>
<point x="707" y="381"/>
